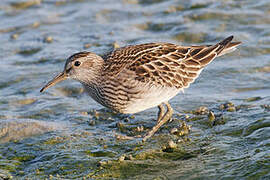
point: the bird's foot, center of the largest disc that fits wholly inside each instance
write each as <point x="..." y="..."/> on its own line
<point x="160" y="122"/>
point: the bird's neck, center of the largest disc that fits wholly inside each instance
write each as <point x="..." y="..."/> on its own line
<point x="93" y="76"/>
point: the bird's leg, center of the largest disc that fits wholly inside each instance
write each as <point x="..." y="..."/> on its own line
<point x="161" y="111"/>
<point x="160" y="122"/>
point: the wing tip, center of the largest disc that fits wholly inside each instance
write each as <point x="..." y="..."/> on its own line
<point x="226" y="41"/>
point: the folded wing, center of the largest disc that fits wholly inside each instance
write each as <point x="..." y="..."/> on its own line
<point x="166" y="64"/>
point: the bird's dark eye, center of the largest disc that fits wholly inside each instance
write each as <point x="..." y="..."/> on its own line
<point x="77" y="63"/>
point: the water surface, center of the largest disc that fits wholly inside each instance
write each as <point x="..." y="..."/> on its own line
<point x="64" y="134"/>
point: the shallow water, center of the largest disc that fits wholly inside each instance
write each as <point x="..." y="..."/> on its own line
<point x="64" y="134"/>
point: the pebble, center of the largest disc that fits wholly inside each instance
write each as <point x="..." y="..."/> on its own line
<point x="35" y="24"/>
<point x="14" y="36"/>
<point x="121" y="158"/>
<point x="48" y="39"/>
<point x="139" y="128"/>
<point x="172" y="144"/>
<point x="92" y="122"/>
<point x="229" y="106"/>
<point x="266" y="106"/>
<point x="86" y="46"/>
<point x="84" y="113"/>
<point x="26" y="101"/>
<point x="183" y="130"/>
<point x="211" y="116"/>
<point x="231" y="109"/>
<point x="173" y="9"/>
<point x="174" y="130"/>
<point x="202" y="110"/>
<point x="116" y="45"/>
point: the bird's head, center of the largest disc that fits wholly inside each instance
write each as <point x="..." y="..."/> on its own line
<point x="83" y="67"/>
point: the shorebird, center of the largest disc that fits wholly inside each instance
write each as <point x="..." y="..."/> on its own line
<point x="138" y="77"/>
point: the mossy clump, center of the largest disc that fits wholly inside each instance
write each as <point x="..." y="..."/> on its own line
<point x="26" y="101"/>
<point x="190" y="37"/>
<point x="174" y="8"/>
<point x="54" y="140"/>
<point x="251" y="99"/>
<point x="48" y="39"/>
<point x="198" y="6"/>
<point x="127" y="166"/>
<point x="14" y="36"/>
<point x="221" y="120"/>
<point x="119" y="169"/>
<point x="194" y="118"/>
<point x="25" y="4"/>
<point x="24" y="158"/>
<point x="71" y="91"/>
<point x="211" y="118"/>
<point x="29" y="51"/>
<point x="182" y="130"/>
<point x="216" y="119"/>
<point x="266" y="107"/>
<point x="170" y="146"/>
<point x="103" y="115"/>
<point x="201" y="111"/>
<point x="229" y="106"/>
<point x="100" y="153"/>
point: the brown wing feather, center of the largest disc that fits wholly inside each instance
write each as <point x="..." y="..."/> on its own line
<point x="163" y="63"/>
<point x="118" y="59"/>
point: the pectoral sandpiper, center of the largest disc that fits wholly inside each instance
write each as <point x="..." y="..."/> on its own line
<point x="138" y="77"/>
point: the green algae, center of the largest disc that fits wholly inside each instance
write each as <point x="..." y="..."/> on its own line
<point x="71" y="91"/>
<point x="133" y="159"/>
<point x="139" y="164"/>
<point x="24" y="158"/>
<point x="195" y="118"/>
<point x="198" y="6"/>
<point x="100" y="153"/>
<point x="26" y="101"/>
<point x="29" y="52"/>
<point x="10" y="167"/>
<point x="226" y="105"/>
<point x="252" y="99"/>
<point x="55" y="140"/>
<point x="189" y="37"/>
<point x="258" y="124"/>
<point x="174" y="9"/>
<point x="181" y="130"/>
<point x="25" y="4"/>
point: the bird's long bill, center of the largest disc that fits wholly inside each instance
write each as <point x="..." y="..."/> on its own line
<point x="60" y="77"/>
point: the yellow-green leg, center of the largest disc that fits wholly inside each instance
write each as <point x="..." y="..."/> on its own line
<point x="160" y="121"/>
<point x="161" y="112"/>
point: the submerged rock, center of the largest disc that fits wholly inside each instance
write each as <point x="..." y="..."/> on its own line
<point x="17" y="130"/>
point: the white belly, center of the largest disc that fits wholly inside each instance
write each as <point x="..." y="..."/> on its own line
<point x="151" y="96"/>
